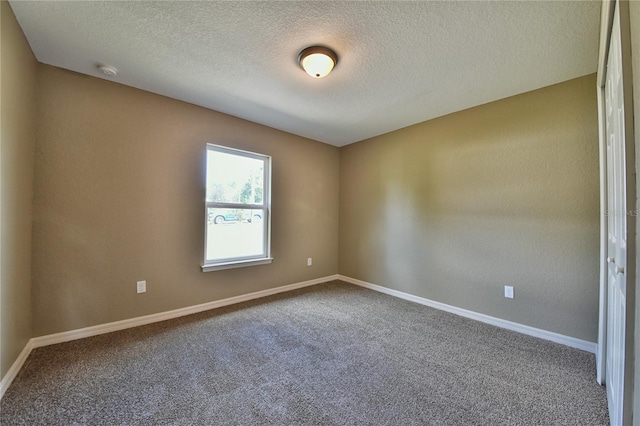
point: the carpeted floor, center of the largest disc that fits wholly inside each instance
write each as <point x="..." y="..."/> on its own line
<point x="331" y="354"/>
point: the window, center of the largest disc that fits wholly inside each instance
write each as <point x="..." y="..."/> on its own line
<point x="237" y="221"/>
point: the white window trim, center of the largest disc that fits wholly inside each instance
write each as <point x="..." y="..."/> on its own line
<point x="236" y="264"/>
<point x="239" y="262"/>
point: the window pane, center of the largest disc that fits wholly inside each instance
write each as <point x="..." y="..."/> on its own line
<point x="233" y="233"/>
<point x="234" y="179"/>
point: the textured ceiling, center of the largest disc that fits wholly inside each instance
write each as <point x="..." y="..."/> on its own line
<point x="400" y="62"/>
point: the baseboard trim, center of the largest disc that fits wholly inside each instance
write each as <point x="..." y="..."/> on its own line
<point x="498" y="322"/>
<point x="81" y="333"/>
<point x="95" y="330"/>
<point x="15" y="368"/>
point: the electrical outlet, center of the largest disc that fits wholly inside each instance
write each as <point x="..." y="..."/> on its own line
<point x="309" y="261"/>
<point x="141" y="286"/>
<point x="508" y="292"/>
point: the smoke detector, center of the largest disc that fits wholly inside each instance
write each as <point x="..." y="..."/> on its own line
<point x="108" y="70"/>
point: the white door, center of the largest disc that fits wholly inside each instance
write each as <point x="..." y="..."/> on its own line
<point x="617" y="227"/>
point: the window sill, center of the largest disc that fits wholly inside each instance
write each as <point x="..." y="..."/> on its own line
<point x="236" y="264"/>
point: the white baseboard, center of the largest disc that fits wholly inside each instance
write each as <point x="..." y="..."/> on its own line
<point x="498" y="322"/>
<point x="15" y="368"/>
<point x="67" y="336"/>
<point x="95" y="330"/>
<point x="81" y="333"/>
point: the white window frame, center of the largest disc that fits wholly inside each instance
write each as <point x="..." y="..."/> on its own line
<point x="265" y="206"/>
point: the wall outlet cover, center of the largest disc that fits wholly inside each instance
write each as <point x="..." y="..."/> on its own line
<point x="508" y="292"/>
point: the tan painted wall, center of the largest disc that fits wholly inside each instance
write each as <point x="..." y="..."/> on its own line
<point x="451" y="209"/>
<point x="119" y="190"/>
<point x="506" y="193"/>
<point x="18" y="80"/>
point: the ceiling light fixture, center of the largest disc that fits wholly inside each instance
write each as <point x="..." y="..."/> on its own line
<point x="317" y="61"/>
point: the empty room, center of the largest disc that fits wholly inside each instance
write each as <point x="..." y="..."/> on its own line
<point x="319" y="212"/>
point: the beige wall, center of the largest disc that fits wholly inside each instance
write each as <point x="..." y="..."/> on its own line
<point x="506" y="193"/>
<point x="451" y="209"/>
<point x="119" y="189"/>
<point x="18" y="80"/>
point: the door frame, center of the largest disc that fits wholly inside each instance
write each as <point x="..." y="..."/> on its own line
<point x="607" y="14"/>
<point x="606" y="23"/>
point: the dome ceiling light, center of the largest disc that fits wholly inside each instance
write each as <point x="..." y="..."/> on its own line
<point x="317" y="61"/>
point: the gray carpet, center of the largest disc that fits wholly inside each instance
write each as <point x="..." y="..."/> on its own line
<point x="331" y="354"/>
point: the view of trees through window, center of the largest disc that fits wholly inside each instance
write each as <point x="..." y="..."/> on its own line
<point x="233" y="179"/>
<point x="236" y="205"/>
<point x="237" y="180"/>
